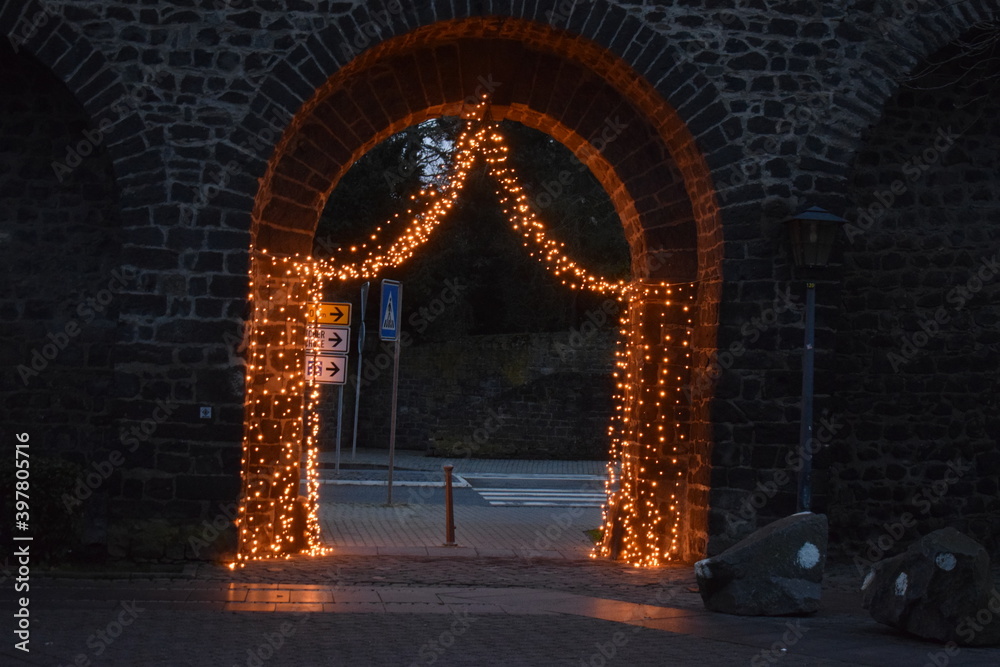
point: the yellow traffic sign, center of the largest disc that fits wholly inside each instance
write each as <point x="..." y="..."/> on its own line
<point x="333" y="313"/>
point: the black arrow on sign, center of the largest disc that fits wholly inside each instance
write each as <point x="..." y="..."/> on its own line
<point x="334" y="368"/>
<point x="338" y="313"/>
<point x="336" y="339"/>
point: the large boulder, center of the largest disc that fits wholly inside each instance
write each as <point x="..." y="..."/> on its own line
<point x="775" y="571"/>
<point x="940" y="588"/>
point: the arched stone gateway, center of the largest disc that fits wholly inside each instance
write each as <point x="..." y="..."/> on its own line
<point x="617" y="125"/>
<point x="714" y="123"/>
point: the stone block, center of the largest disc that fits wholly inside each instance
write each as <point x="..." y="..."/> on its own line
<point x="775" y="571"/>
<point x="940" y="588"/>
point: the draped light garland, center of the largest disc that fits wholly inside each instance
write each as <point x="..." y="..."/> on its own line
<point x="641" y="520"/>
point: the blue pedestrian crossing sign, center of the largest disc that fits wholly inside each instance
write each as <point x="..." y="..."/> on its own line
<point x="390" y="310"/>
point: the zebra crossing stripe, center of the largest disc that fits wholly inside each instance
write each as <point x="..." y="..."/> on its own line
<point x="541" y="497"/>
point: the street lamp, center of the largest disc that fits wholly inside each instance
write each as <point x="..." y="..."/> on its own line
<point x="811" y="233"/>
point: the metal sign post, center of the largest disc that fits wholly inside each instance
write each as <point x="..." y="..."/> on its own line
<point x="389" y="320"/>
<point x="327" y="343"/>
<point x="340" y="421"/>
<point x="361" y="352"/>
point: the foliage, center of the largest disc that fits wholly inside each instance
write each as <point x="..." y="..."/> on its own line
<point x="502" y="288"/>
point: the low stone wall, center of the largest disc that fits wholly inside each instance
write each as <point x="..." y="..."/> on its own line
<point x="542" y="395"/>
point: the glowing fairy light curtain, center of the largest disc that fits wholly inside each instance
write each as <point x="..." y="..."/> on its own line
<point x="647" y="463"/>
<point x="642" y="517"/>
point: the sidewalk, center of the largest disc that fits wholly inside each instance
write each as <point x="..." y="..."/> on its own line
<point x="358" y="610"/>
<point x="414" y="526"/>
<point x="416" y="529"/>
<point x="519" y="590"/>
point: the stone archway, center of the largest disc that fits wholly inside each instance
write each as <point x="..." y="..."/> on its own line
<point x="634" y="142"/>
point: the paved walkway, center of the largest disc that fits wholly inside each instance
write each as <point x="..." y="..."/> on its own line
<point x="397" y="599"/>
<point x="359" y="610"/>
<point x="416" y="526"/>
<point x="479" y="531"/>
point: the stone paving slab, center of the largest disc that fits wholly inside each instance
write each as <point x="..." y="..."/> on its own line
<point x="178" y="638"/>
<point x="387" y="610"/>
<point x="603" y="628"/>
<point x="554" y="532"/>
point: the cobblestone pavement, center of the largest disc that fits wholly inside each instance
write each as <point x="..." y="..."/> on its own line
<point x="491" y="531"/>
<point x="178" y="638"/>
<point x="417" y="525"/>
<point x="347" y="610"/>
<point x="395" y="599"/>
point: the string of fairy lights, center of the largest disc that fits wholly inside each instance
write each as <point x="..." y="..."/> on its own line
<point x="642" y="522"/>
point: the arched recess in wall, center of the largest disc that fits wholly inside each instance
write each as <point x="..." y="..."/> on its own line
<point x="70" y="117"/>
<point x="551" y="80"/>
<point x="59" y="247"/>
<point x="66" y="117"/>
<point x="40" y="30"/>
<point x="918" y="350"/>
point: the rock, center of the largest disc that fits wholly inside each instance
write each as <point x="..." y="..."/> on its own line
<point x="940" y="588"/>
<point x="775" y="571"/>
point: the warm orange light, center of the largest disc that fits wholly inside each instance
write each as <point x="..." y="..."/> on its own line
<point x="281" y="286"/>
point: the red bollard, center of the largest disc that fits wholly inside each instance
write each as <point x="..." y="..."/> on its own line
<point x="449" y="510"/>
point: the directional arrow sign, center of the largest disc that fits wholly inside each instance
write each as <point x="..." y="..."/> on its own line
<point x="333" y="313"/>
<point x="326" y="369"/>
<point x="327" y="339"/>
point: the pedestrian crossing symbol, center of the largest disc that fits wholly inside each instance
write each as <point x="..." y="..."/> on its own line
<point x="389" y="313"/>
<point x="389" y="318"/>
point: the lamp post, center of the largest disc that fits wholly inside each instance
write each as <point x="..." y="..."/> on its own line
<point x="812" y="233"/>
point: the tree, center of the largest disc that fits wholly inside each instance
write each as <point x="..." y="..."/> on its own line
<point x="504" y="289"/>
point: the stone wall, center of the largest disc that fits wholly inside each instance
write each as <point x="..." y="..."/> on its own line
<point x="756" y="109"/>
<point x="532" y="396"/>
<point x="918" y="341"/>
<point x="59" y="249"/>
